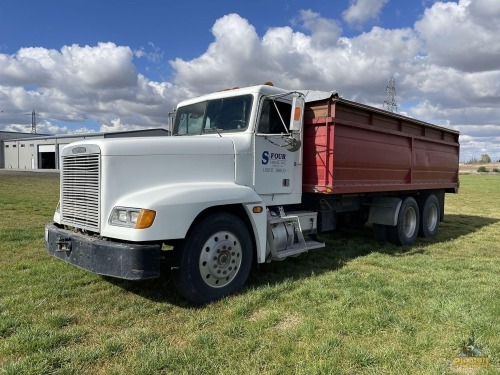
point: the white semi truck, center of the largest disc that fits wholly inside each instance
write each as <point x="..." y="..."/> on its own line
<point x="249" y="175"/>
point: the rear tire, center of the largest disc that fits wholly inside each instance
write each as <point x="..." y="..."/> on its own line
<point x="214" y="260"/>
<point x="429" y="217"/>
<point x="406" y="230"/>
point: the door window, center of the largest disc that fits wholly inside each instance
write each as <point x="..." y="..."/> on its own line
<point x="274" y="117"/>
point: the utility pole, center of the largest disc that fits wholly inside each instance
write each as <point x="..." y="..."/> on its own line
<point x="390" y="101"/>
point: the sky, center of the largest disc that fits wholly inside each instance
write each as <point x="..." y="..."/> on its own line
<point x="94" y="66"/>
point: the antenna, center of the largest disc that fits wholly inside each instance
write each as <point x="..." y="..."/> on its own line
<point x="390" y="101"/>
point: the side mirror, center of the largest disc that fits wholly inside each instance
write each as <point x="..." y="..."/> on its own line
<point x="170" y="126"/>
<point x="298" y="104"/>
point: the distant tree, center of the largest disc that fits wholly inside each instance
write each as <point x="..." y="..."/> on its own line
<point x="485" y="158"/>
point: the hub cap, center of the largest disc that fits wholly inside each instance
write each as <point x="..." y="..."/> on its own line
<point x="410" y="222"/>
<point x="220" y="259"/>
<point x="432" y="217"/>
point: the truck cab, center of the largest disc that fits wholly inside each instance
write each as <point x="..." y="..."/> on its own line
<point x="232" y="155"/>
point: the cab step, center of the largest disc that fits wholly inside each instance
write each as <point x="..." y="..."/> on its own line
<point x="286" y="232"/>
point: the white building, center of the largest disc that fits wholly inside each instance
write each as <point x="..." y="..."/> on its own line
<point x="26" y="151"/>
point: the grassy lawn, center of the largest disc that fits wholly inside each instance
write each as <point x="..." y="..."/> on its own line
<point x="356" y="307"/>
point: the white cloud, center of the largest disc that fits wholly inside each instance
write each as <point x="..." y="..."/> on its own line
<point x="324" y="32"/>
<point x="44" y="127"/>
<point x="77" y="83"/>
<point x="235" y="53"/>
<point x="152" y="53"/>
<point x="115" y="125"/>
<point x="293" y="59"/>
<point x="361" y="11"/>
<point x="84" y="130"/>
<point x="462" y="35"/>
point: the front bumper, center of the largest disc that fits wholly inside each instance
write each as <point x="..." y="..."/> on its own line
<point x="121" y="260"/>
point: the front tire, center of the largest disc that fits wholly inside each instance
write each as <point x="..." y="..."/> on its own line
<point x="406" y="230"/>
<point x="214" y="260"/>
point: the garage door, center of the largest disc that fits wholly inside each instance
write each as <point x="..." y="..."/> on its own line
<point x="47" y="148"/>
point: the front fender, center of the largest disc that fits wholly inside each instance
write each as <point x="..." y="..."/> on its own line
<point x="176" y="206"/>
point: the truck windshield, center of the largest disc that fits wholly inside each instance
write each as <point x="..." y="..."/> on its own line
<point x="218" y="115"/>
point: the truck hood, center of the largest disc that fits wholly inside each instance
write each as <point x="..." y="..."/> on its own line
<point x="192" y="145"/>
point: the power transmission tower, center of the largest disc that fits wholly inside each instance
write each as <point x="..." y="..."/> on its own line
<point x="33" y="122"/>
<point x="390" y="101"/>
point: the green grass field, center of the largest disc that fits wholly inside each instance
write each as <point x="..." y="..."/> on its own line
<point x="355" y="307"/>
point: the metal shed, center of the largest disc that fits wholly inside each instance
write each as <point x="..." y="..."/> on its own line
<point x="21" y="151"/>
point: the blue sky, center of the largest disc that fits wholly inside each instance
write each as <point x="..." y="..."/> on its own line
<point x="119" y="65"/>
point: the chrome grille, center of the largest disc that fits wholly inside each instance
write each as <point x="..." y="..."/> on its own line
<point x="80" y="191"/>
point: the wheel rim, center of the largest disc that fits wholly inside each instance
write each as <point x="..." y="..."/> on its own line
<point x="432" y="217"/>
<point x="220" y="259"/>
<point x="410" y="222"/>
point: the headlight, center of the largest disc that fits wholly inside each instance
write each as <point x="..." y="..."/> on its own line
<point x="137" y="218"/>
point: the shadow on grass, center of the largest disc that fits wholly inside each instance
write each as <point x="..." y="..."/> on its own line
<point x="342" y="246"/>
<point x="455" y="226"/>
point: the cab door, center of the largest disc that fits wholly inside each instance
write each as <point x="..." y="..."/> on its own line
<point x="274" y="164"/>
